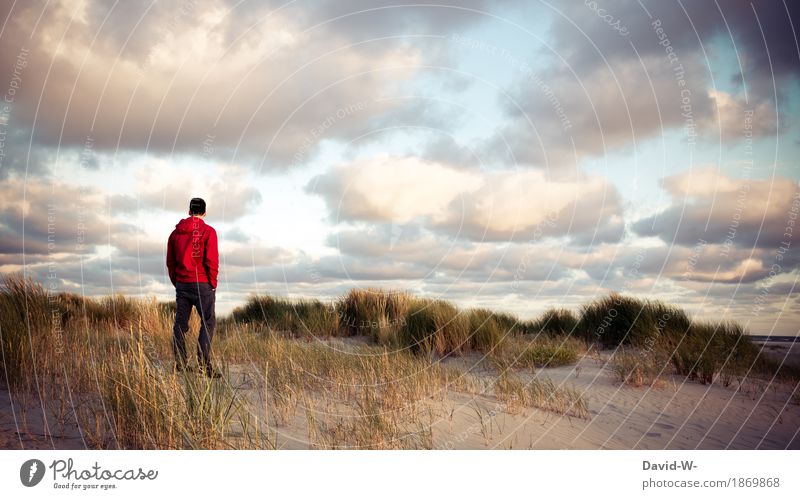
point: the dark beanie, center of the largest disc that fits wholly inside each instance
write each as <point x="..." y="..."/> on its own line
<point x="197" y="206"/>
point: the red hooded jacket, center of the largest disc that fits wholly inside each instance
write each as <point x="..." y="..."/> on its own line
<point x="192" y="254"/>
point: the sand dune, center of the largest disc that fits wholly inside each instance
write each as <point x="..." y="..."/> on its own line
<point x="679" y="414"/>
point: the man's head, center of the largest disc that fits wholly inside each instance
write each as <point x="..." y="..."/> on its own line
<point x="197" y="207"/>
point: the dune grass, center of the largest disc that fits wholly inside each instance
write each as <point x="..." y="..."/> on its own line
<point x="711" y="349"/>
<point x="554" y="321"/>
<point x="376" y="313"/>
<point x="536" y="351"/>
<point x="616" y="320"/>
<point x="701" y="351"/>
<point x="538" y="392"/>
<point x="640" y="367"/>
<point x="150" y="409"/>
<point x="294" y="317"/>
<point x="550" y="352"/>
<point x="108" y="361"/>
<point x="436" y="327"/>
<point x="115" y="376"/>
<point x="23" y="308"/>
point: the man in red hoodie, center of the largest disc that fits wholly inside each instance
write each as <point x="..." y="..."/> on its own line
<point x="193" y="264"/>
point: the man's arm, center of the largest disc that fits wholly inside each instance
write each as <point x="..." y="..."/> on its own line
<point x="211" y="258"/>
<point x="171" y="260"/>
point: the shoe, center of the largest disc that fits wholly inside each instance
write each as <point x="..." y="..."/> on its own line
<point x="179" y="368"/>
<point x="212" y="373"/>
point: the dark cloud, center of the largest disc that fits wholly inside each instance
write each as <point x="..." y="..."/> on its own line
<point x="238" y="235"/>
<point x="19" y="155"/>
<point x="709" y="206"/>
<point x="569" y="116"/>
<point x="705" y="264"/>
<point x="54" y="217"/>
<point x="263" y="82"/>
<point x="438" y="256"/>
<point x="602" y="90"/>
<point x="763" y="35"/>
<point x="375" y="18"/>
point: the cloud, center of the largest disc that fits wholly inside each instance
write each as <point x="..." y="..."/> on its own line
<point x="569" y="115"/>
<point x="709" y="205"/>
<point x="437" y="256"/>
<point x="762" y="33"/>
<point x="255" y="256"/>
<point x="55" y="217"/>
<point x="386" y="188"/>
<point x="480" y="206"/>
<point x="594" y="90"/>
<point x="375" y="18"/>
<point x="738" y="119"/>
<point x="702" y="263"/>
<point x="260" y="93"/>
<point x="227" y="191"/>
<point x="417" y="258"/>
<point x="250" y="80"/>
<point x="18" y="154"/>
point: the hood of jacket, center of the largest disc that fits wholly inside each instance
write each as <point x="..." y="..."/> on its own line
<point x="189" y="225"/>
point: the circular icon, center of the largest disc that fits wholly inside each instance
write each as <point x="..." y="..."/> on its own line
<point x="31" y="472"/>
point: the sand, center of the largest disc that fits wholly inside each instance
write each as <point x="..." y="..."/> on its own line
<point x="28" y="429"/>
<point x="680" y="414"/>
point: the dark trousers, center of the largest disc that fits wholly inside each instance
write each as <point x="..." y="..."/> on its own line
<point x="202" y="297"/>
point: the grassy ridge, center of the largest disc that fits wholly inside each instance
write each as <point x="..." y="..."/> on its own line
<point x="661" y="338"/>
<point x="664" y="336"/>
<point x="298" y="317"/>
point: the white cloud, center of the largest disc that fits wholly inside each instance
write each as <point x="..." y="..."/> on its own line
<point x="398" y="189"/>
<point x="477" y="205"/>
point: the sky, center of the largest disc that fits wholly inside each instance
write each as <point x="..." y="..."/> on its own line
<point x="502" y="154"/>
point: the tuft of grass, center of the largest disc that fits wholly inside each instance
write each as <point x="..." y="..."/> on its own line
<point x="539" y="392"/>
<point x="436" y="327"/>
<point x="639" y="368"/>
<point x="550" y="352"/>
<point x="668" y="320"/>
<point x="508" y="323"/>
<point x="537" y="352"/>
<point x="293" y="317"/>
<point x="26" y="325"/>
<point x="372" y="427"/>
<point x="487" y="329"/>
<point x="708" y="349"/>
<point x="554" y="321"/>
<point x="377" y="313"/>
<point x="616" y="320"/>
<point x="150" y="410"/>
<point x="119" y="310"/>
